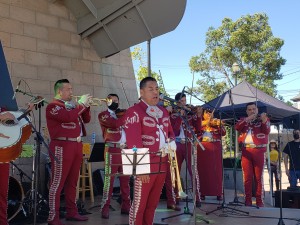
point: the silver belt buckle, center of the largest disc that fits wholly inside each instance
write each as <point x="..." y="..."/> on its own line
<point x="78" y="139"/>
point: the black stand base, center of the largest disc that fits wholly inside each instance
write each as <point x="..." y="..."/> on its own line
<point x="281" y="222"/>
<point x="185" y="212"/>
<point x="236" y="202"/>
<point x="224" y="206"/>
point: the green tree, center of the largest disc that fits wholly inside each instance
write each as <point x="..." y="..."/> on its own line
<point x="138" y="55"/>
<point x="249" y="42"/>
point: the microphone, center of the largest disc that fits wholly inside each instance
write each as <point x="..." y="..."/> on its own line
<point x="16" y="90"/>
<point x="25" y="113"/>
<point x="163" y="97"/>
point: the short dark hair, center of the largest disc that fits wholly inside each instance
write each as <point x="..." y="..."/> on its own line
<point x="58" y="84"/>
<point x="143" y="82"/>
<point x="179" y="96"/>
<point x="295" y="131"/>
<point x="250" y="103"/>
<point x="115" y="95"/>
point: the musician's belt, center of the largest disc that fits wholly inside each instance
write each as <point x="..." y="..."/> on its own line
<point x="115" y="145"/>
<point x="254" y="146"/>
<point x="78" y="139"/>
<point x="210" y="140"/>
<point x="180" y="140"/>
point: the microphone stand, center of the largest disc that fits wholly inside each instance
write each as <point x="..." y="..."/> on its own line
<point x="224" y="205"/>
<point x="193" y="155"/>
<point x="36" y="169"/>
<point x="280" y="221"/>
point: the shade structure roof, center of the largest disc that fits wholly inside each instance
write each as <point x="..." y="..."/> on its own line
<point x="114" y="25"/>
<point x="232" y="103"/>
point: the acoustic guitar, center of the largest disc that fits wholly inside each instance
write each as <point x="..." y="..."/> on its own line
<point x="13" y="133"/>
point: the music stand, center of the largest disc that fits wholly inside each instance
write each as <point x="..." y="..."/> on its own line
<point x="136" y="164"/>
<point x="97" y="154"/>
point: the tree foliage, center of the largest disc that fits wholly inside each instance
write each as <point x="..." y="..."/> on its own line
<point x="139" y="56"/>
<point x="249" y="42"/>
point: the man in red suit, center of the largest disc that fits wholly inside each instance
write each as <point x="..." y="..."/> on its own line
<point x="253" y="140"/>
<point x="148" y="126"/>
<point x="4" y="178"/>
<point x="65" y="121"/>
<point x="183" y="134"/>
<point x="115" y="139"/>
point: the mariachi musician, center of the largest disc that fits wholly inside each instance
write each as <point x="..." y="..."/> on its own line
<point x="209" y="163"/>
<point x="148" y="126"/>
<point x="115" y="139"/>
<point x="65" y="122"/>
<point x="183" y="134"/>
<point x="253" y="138"/>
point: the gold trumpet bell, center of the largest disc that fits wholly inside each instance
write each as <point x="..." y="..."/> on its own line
<point x="95" y="101"/>
<point x="98" y="101"/>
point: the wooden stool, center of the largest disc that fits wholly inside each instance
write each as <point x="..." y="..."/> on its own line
<point x="85" y="173"/>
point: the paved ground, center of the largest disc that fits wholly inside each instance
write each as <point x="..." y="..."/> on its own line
<point x="228" y="215"/>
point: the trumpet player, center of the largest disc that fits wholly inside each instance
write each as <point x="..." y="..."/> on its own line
<point x="115" y="139"/>
<point x="253" y="139"/>
<point x="65" y="121"/>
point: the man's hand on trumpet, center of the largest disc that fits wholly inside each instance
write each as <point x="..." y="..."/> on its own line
<point x="86" y="100"/>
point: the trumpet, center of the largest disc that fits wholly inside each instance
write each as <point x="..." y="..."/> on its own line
<point x="95" y="101"/>
<point x="175" y="175"/>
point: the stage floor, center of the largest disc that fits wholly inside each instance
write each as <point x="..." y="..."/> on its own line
<point x="267" y="215"/>
<point x="227" y="216"/>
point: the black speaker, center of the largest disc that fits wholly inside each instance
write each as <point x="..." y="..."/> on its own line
<point x="290" y="199"/>
<point x="292" y="122"/>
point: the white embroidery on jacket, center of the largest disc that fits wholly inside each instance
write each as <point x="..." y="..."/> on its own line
<point x="70" y="125"/>
<point x="54" y="110"/>
<point x="133" y="119"/>
<point x="149" y="122"/>
<point x="148" y="140"/>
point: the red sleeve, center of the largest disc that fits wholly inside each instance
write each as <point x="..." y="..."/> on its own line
<point x="240" y="124"/>
<point x="86" y="114"/>
<point x="107" y="121"/>
<point x="265" y="127"/>
<point x="176" y="122"/>
<point x="59" y="113"/>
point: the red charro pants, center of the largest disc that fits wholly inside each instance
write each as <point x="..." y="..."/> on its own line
<point x="252" y="164"/>
<point x="65" y="174"/>
<point x="184" y="153"/>
<point x="4" y="179"/>
<point x="116" y="161"/>
<point x="146" y="199"/>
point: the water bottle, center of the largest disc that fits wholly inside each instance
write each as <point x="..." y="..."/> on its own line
<point x="93" y="138"/>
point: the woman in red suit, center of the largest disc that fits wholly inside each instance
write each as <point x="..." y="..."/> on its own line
<point x="209" y="162"/>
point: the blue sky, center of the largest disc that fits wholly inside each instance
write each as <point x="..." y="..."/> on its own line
<point x="171" y="52"/>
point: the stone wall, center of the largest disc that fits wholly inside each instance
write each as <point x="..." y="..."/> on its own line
<point x="41" y="46"/>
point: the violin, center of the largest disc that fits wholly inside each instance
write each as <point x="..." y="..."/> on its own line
<point x="120" y="112"/>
